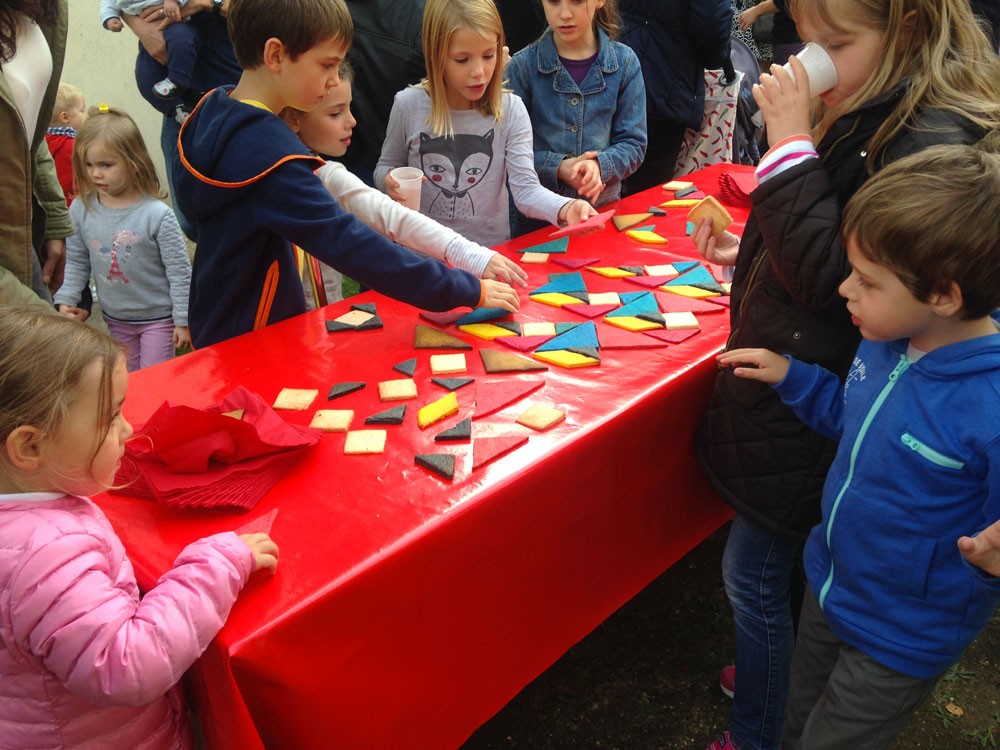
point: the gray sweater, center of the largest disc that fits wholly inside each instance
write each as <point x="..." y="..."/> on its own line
<point x="467" y="176"/>
<point x="138" y="259"/>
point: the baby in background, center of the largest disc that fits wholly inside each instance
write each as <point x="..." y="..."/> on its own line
<point x="181" y="39"/>
<point x="68" y="115"/>
<point x="327" y="130"/>
<point x="85" y="660"/>
<point x="892" y="604"/>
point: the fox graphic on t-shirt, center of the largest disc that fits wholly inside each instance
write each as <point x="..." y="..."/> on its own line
<point x="455" y="165"/>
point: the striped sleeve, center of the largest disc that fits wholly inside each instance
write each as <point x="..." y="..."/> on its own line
<point x="784" y="155"/>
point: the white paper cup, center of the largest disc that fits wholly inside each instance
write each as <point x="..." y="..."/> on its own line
<point x="819" y="67"/>
<point x="409" y="179"/>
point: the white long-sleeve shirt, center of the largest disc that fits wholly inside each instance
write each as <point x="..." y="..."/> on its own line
<point x="400" y="224"/>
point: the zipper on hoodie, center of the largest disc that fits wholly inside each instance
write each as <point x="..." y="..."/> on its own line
<point x="855" y="450"/>
<point x="929" y="453"/>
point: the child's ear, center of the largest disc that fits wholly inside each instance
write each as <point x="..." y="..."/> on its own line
<point x="275" y="53"/>
<point x="947" y="300"/>
<point x="24" y="448"/>
<point x="64" y="117"/>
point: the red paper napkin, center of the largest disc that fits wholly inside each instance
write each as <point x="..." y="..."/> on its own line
<point x="189" y="457"/>
<point x="736" y="187"/>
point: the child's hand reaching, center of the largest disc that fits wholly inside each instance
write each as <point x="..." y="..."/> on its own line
<point x="582" y="172"/>
<point x="172" y="10"/>
<point x="500" y="294"/>
<point x="503" y="269"/>
<point x="265" y="551"/>
<point x="983" y="550"/>
<point x="765" y="365"/>
<point x="76" y="313"/>
<point x="574" y="212"/>
<point x="784" y="101"/>
<point x="114" y="24"/>
<point x="721" y="250"/>
<point x="182" y="337"/>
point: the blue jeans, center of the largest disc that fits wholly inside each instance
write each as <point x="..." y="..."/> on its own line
<point x="756" y="568"/>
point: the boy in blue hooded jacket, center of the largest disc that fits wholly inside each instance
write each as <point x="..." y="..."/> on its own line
<point x="248" y="183"/>
<point x="893" y="601"/>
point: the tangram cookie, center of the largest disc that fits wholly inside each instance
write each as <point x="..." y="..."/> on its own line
<point x="574" y="263"/>
<point x="494" y="361"/>
<point x="654" y="317"/>
<point x="541" y="328"/>
<point x="354" y="318"/>
<point x="360" y="442"/>
<point x="437" y="410"/>
<point x="443" y="318"/>
<point x="627" y="221"/>
<point x="407" y="367"/>
<point x="480" y="315"/>
<point x="582" y="335"/>
<point x="643" y="302"/>
<point x="677" y="303"/>
<point x="685" y="191"/>
<point x="397" y="390"/>
<point x="487" y="331"/>
<point x="675" y="185"/>
<point x="672" y="337"/>
<point x="527" y="343"/>
<point x="617" y="338"/>
<point x="452" y="384"/>
<point x="665" y="269"/>
<point x="360" y="318"/>
<point x="486" y="449"/>
<point x="235" y="414"/>
<point x="568" y="359"/>
<point x="511" y="325"/>
<point x="700" y="277"/>
<point x="447" y="364"/>
<point x="535" y="258"/>
<point x="494" y="396"/>
<point x="709" y="208"/>
<point x="294" y="399"/>
<point x="680" y="203"/>
<point x="540" y="417"/>
<point x="633" y="323"/>
<point x="675" y="321"/>
<point x="656" y="211"/>
<point x="605" y="298"/>
<point x="556" y="299"/>
<point x="460" y="432"/>
<point x="442" y="464"/>
<point x="594" y="222"/>
<point x="395" y="415"/>
<point x="430" y="338"/>
<point x="591" y="311"/>
<point x="649" y="282"/>
<point x="684" y="290"/>
<point x="259" y="525"/>
<point x="342" y="389"/>
<point x="554" y="246"/>
<point x="562" y="282"/>
<point x="332" y="420"/>
<point x="609" y="272"/>
<point x="647" y="237"/>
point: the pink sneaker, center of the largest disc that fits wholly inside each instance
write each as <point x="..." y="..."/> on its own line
<point x="727" y="680"/>
<point x="722" y="742"/>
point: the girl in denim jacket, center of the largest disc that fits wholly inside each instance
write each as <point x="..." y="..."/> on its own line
<point x="586" y="98"/>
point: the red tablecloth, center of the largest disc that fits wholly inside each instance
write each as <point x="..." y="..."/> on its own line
<point x="407" y="610"/>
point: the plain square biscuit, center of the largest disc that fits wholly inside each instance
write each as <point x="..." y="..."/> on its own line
<point x="332" y="420"/>
<point x="359" y="442"/>
<point x="710" y="208"/>
<point x="397" y="390"/>
<point x="294" y="399"/>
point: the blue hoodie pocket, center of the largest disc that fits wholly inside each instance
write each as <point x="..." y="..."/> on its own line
<point x="939" y="459"/>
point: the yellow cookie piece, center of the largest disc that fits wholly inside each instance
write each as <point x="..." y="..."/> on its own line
<point x="627" y="221"/>
<point x="397" y="390"/>
<point x="688" y="291"/>
<point x="437" y="410"/>
<point x="446" y="364"/>
<point x="332" y="420"/>
<point x="681" y="203"/>
<point x="630" y="323"/>
<point x="611" y="272"/>
<point x="556" y="299"/>
<point x="486" y="331"/>
<point x="644" y="235"/>
<point x="540" y="417"/>
<point x="565" y="358"/>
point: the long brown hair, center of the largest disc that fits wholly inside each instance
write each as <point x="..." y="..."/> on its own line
<point x="42" y="12"/>
<point x="935" y="46"/>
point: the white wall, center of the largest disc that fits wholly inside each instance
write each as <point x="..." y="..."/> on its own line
<point x="102" y="64"/>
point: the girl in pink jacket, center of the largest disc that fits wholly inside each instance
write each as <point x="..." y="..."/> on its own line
<point x="84" y="662"/>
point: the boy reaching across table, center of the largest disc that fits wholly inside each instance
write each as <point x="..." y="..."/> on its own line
<point x="891" y="603"/>
<point x="248" y="182"/>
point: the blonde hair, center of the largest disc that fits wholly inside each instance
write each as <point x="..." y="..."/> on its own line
<point x="33" y="342"/>
<point x="299" y="24"/>
<point x="66" y="96"/>
<point x="935" y="47"/>
<point x="442" y="18"/>
<point x="115" y="130"/>
<point x="931" y="219"/>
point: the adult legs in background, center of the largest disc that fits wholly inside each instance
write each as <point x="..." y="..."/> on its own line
<point x="839" y="698"/>
<point x="169" y="131"/>
<point x="665" y="140"/>
<point x="756" y="568"/>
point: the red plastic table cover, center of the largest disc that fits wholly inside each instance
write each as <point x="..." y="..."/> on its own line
<point x="406" y="609"/>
